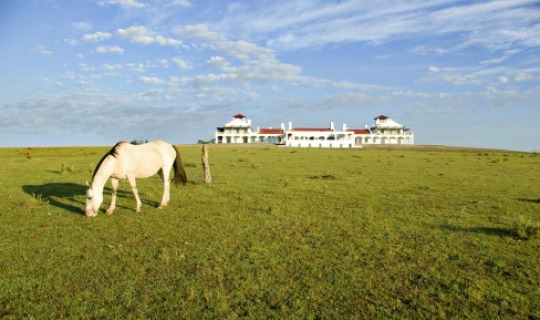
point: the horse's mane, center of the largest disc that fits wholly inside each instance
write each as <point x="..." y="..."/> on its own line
<point x="113" y="152"/>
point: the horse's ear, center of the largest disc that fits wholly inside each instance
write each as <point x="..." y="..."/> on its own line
<point x="87" y="184"/>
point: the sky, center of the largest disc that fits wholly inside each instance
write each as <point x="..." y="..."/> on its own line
<point x="94" y="72"/>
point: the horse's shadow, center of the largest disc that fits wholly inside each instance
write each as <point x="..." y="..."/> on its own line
<point x="490" y="231"/>
<point x="69" y="196"/>
<point x="530" y="200"/>
<point x="60" y="195"/>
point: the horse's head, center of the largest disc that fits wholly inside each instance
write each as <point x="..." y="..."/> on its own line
<point x="94" y="198"/>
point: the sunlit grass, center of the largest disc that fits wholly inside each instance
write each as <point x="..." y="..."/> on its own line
<point x="281" y="233"/>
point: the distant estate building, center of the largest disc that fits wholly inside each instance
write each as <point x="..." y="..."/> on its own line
<point x="384" y="131"/>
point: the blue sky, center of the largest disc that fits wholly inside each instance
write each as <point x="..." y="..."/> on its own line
<point x="93" y="72"/>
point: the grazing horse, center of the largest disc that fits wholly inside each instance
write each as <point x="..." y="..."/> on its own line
<point x="127" y="161"/>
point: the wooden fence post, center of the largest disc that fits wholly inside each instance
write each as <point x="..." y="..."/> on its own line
<point x="206" y="165"/>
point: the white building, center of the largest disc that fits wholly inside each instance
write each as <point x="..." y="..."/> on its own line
<point x="384" y="131"/>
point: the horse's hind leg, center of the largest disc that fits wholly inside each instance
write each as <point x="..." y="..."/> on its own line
<point x="114" y="184"/>
<point x="133" y="185"/>
<point x="164" y="175"/>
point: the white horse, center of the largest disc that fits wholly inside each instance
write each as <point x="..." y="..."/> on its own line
<point x="127" y="161"/>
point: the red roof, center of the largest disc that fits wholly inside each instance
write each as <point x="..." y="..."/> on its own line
<point x="270" y="131"/>
<point x="382" y="117"/>
<point x="312" y="129"/>
<point x="359" y="131"/>
<point x="239" y="116"/>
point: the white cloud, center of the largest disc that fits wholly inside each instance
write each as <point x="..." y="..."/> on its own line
<point x="86" y="67"/>
<point x="412" y="94"/>
<point x="42" y="50"/>
<point x="524" y="76"/>
<point x="126" y="4"/>
<point x="81" y="25"/>
<point x="111" y="67"/>
<point x="217" y="62"/>
<point x="173" y="81"/>
<point x="153" y="95"/>
<point x="141" y="35"/>
<point x="136" y="67"/>
<point x="181" y="3"/>
<point x="71" y="42"/>
<point x="138" y="34"/>
<point x="245" y="51"/>
<point x="163" y="62"/>
<point x="87" y="113"/>
<point x="459" y="76"/>
<point x="461" y="79"/>
<point x="504" y="97"/>
<point x="292" y="25"/>
<point x="150" y="80"/>
<point x="198" y="31"/>
<point x="209" y="78"/>
<point x="256" y="63"/>
<point x="96" y="37"/>
<point x="167" y="41"/>
<point x="69" y="75"/>
<point x="110" y="49"/>
<point x="425" y="50"/>
<point x="503" y="79"/>
<point x="49" y="82"/>
<point x="183" y="64"/>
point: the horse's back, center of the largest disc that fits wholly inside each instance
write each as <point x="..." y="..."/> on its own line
<point x="147" y="159"/>
<point x="161" y="148"/>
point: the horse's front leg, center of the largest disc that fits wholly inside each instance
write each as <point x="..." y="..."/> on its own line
<point x="164" y="175"/>
<point x="133" y="185"/>
<point x="114" y="184"/>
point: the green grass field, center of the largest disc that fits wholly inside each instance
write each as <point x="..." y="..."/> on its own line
<point x="417" y="233"/>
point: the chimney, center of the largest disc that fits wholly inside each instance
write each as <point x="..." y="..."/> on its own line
<point x="282" y="126"/>
<point x="344" y="127"/>
<point x="332" y="126"/>
<point x="290" y="125"/>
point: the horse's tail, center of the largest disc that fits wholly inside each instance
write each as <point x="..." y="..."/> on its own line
<point x="179" y="171"/>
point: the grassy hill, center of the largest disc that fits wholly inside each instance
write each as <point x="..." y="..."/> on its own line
<point x="410" y="232"/>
